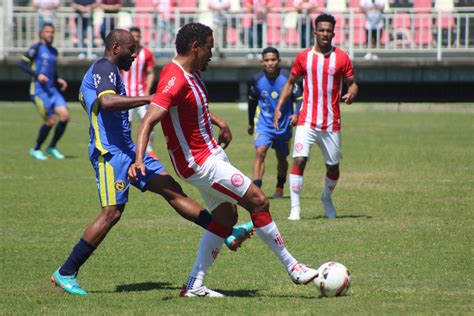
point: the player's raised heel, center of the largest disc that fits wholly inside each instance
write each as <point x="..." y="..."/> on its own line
<point x="240" y="233"/>
<point x="37" y="154"/>
<point x="53" y="151"/>
<point x="301" y="274"/>
<point x="278" y="193"/>
<point x="201" y="291"/>
<point x="68" y="283"/>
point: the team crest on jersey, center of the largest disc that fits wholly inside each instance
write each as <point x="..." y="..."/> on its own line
<point x="119" y="185"/>
<point x="97" y="79"/>
<point x="331" y="71"/>
<point x="264" y="94"/>
<point x="237" y="180"/>
<point x="298" y="147"/>
<point x="113" y="78"/>
<point x="169" y="84"/>
<point x="274" y="95"/>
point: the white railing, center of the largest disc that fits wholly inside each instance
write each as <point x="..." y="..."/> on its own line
<point x="405" y="32"/>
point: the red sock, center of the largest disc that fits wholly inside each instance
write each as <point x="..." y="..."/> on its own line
<point x="261" y="219"/>
<point x="332" y="177"/>
<point x="296" y="170"/>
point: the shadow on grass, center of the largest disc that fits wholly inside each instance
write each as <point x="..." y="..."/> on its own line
<point x="145" y="286"/>
<point x="284" y="197"/>
<point x="343" y="217"/>
<point x="71" y="157"/>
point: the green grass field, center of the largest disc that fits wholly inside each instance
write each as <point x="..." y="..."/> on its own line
<point x="405" y="229"/>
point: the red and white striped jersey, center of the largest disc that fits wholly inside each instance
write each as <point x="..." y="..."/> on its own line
<point x="187" y="126"/>
<point x="323" y="78"/>
<point x="135" y="78"/>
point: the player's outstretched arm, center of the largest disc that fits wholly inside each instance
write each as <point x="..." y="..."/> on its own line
<point x="116" y="102"/>
<point x="225" y="135"/>
<point x="285" y="94"/>
<point x="352" y="90"/>
<point x="153" y="116"/>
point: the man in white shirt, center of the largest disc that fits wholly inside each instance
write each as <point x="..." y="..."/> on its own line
<point x="373" y="10"/>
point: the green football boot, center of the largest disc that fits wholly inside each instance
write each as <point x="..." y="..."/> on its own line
<point x="68" y="283"/>
<point x="38" y="154"/>
<point x="240" y="233"/>
<point x="53" y="151"/>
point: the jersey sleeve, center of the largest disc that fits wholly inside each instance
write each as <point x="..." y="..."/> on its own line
<point x="347" y="68"/>
<point x="150" y="61"/>
<point x="105" y="77"/>
<point x="27" y="60"/>
<point x="166" y="92"/>
<point x="298" y="69"/>
<point x="252" y="99"/>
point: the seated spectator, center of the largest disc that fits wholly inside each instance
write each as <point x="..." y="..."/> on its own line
<point x="46" y="11"/>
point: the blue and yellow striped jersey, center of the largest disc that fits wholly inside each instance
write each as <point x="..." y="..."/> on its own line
<point x="109" y="130"/>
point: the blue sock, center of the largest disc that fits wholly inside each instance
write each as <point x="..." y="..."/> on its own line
<point x="204" y="219"/>
<point x="58" y="132"/>
<point x="81" y="252"/>
<point x="258" y="182"/>
<point x="43" y="133"/>
<point x="281" y="182"/>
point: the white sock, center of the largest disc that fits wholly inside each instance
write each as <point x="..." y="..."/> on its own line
<point x="271" y="236"/>
<point x="209" y="247"/>
<point x="329" y="186"/>
<point x="296" y="185"/>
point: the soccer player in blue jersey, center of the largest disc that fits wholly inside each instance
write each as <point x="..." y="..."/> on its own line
<point x="40" y="62"/>
<point x="264" y="91"/>
<point x="111" y="152"/>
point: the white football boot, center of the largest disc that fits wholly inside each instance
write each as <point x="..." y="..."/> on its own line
<point x="301" y="274"/>
<point x="295" y="213"/>
<point x="201" y="291"/>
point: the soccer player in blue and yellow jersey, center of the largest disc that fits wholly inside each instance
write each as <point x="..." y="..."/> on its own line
<point x="264" y="91"/>
<point x="111" y="152"/>
<point x="40" y="62"/>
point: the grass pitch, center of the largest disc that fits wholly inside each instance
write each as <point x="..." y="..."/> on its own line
<point x="405" y="203"/>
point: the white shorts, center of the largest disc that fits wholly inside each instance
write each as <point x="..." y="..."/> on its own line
<point x="141" y="110"/>
<point x="218" y="181"/>
<point x="329" y="143"/>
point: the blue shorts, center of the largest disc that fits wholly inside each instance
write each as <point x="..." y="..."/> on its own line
<point x="46" y="102"/>
<point x="281" y="143"/>
<point x="111" y="176"/>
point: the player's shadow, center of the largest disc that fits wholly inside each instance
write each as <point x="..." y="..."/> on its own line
<point x="145" y="286"/>
<point x="71" y="157"/>
<point x="343" y="217"/>
<point x="238" y="293"/>
<point x="284" y="197"/>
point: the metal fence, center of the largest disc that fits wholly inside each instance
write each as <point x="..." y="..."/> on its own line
<point x="406" y="31"/>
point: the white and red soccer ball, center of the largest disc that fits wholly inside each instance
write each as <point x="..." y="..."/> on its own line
<point x="333" y="279"/>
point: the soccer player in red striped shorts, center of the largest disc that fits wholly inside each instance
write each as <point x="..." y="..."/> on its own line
<point x="181" y="104"/>
<point x="324" y="68"/>
<point x="139" y="79"/>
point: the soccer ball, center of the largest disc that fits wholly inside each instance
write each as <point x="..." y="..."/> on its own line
<point x="333" y="279"/>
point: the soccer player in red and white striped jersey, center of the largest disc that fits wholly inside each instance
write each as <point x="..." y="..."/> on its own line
<point x="181" y="104"/>
<point x="139" y="79"/>
<point x="324" y="68"/>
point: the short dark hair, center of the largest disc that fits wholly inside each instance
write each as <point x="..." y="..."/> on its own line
<point x="325" y="17"/>
<point x="116" y="36"/>
<point x="270" y="49"/>
<point x="135" y="29"/>
<point x="46" y="25"/>
<point x="189" y="33"/>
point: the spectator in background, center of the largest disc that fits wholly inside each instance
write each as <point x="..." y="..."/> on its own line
<point x="111" y="8"/>
<point x="373" y="10"/>
<point x="259" y="9"/>
<point x="219" y="9"/>
<point x="165" y="19"/>
<point x="306" y="7"/>
<point x="83" y="9"/>
<point x="46" y="11"/>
